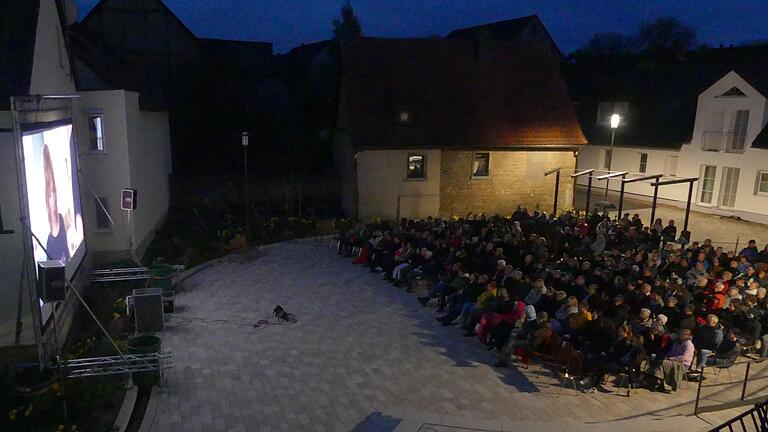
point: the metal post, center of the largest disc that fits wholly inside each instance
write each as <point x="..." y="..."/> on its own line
<point x="589" y="193"/>
<point x="746" y="379"/>
<point x="557" y="190"/>
<point x="610" y="161"/>
<point x="62" y="382"/>
<point x="688" y="206"/>
<point x="621" y="198"/>
<point x="244" y="142"/>
<point x="698" y="395"/>
<point x="653" y="207"/>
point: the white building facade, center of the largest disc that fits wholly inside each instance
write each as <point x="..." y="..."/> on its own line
<point x="119" y="145"/>
<point x="727" y="153"/>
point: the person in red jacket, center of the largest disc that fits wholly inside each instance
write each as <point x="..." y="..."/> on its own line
<point x="716" y="299"/>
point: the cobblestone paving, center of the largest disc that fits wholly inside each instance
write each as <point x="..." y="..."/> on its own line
<point x="362" y="357"/>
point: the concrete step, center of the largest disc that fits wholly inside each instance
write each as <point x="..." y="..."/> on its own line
<point x="412" y="421"/>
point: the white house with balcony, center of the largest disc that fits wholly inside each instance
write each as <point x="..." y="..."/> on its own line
<point x="727" y="151"/>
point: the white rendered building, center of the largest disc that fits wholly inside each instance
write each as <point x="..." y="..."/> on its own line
<point x="727" y="150"/>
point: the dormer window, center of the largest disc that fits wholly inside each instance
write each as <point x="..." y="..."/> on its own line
<point x="733" y="92"/>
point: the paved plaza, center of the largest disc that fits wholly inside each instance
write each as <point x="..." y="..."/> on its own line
<point x="362" y="357"/>
<point x="723" y="231"/>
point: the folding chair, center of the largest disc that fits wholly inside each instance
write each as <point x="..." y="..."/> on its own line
<point x="560" y="360"/>
<point x="573" y="372"/>
<point x="553" y="344"/>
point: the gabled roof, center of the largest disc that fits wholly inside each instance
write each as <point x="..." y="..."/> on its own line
<point x="454" y="101"/>
<point x="761" y="141"/>
<point x="105" y="4"/>
<point x="662" y="94"/>
<point x="18" y="29"/>
<point x="506" y="30"/>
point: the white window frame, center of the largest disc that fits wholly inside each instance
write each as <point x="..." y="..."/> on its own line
<point x="103" y="148"/>
<point x="702" y="172"/>
<point x="758" y="179"/>
<point x="666" y="165"/>
<point x="724" y="185"/>
<point x="423" y="164"/>
<point x="738" y="140"/>
<point x="643" y="167"/>
<point x="472" y="166"/>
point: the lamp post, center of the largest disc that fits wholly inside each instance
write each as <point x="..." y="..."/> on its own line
<point x="244" y="142"/>
<point x="615" y="120"/>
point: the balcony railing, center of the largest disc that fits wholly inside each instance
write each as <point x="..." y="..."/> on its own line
<point x="729" y="142"/>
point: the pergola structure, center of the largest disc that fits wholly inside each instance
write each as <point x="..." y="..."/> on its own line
<point x="589" y="184"/>
<point x="654" y="180"/>
<point x="690" y="181"/>
<point x="555" y="171"/>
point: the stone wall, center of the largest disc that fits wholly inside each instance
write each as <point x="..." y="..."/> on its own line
<point x="516" y="178"/>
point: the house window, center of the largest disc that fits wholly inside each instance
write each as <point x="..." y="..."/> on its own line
<point x="761" y="183"/>
<point x="643" y="162"/>
<point x="670" y="166"/>
<point x="606" y="159"/>
<point x="707" y="185"/>
<point x="729" y="187"/>
<point x="481" y="165"/>
<point x="733" y="92"/>
<point x="416" y="167"/>
<point x="102" y="213"/>
<point x="96" y="129"/>
<point x="739" y="137"/>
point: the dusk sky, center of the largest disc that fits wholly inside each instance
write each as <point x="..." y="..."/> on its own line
<point x="288" y="23"/>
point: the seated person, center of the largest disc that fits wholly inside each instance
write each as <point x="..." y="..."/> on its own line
<point x="534" y="337"/>
<point x="725" y="354"/>
<point x="468" y="295"/>
<point x="709" y="336"/>
<point x="675" y="364"/>
<point x="492" y="300"/>
<point x="626" y="352"/>
<point x="510" y="312"/>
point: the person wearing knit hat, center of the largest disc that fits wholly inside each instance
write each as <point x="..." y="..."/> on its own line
<point x="662" y="319"/>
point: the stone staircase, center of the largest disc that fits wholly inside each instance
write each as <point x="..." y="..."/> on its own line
<point x="406" y="420"/>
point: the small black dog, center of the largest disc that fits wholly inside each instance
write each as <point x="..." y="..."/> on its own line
<point x="282" y="314"/>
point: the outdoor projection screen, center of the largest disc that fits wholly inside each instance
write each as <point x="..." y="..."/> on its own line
<point x="53" y="195"/>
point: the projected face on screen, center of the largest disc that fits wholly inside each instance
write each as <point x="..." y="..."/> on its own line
<point x="55" y="213"/>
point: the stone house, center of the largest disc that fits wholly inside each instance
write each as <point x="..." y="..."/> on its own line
<point x="457" y="125"/>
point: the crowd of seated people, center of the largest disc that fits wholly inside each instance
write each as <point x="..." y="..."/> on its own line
<point x="617" y="290"/>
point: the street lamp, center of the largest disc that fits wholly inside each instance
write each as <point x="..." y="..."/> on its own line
<point x="615" y="120"/>
<point x="244" y="142"/>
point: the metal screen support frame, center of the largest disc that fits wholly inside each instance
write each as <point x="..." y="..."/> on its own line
<point x="26" y="231"/>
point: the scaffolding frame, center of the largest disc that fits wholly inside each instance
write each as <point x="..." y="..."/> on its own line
<point x="116" y="365"/>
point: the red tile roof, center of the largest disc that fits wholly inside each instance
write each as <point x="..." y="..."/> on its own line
<point x="454" y="100"/>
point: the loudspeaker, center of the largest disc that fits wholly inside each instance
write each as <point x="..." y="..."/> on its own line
<point x="128" y="199"/>
<point x="51" y="281"/>
<point x="148" y="310"/>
